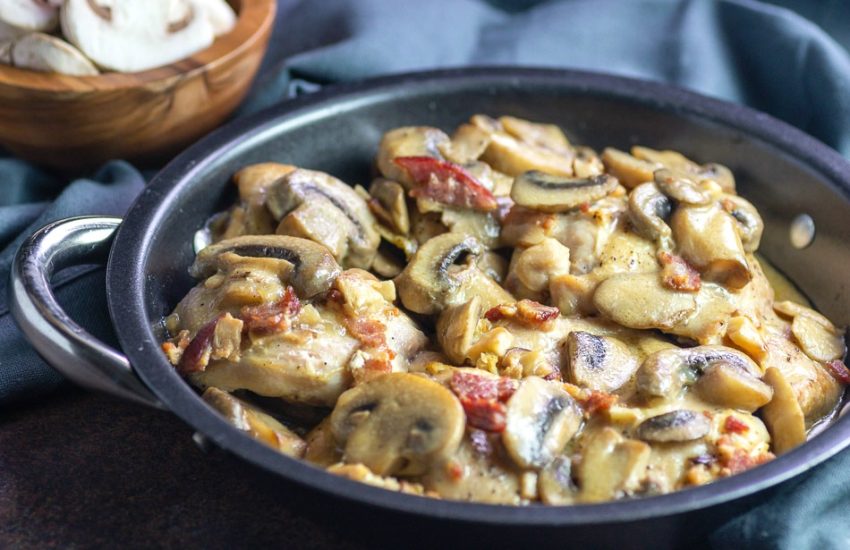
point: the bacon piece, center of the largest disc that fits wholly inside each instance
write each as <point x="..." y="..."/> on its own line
<point x="525" y="312"/>
<point x="839" y="371"/>
<point x="483" y="399"/>
<point x="594" y="401"/>
<point x="740" y="461"/>
<point x="733" y="425"/>
<point x="196" y="356"/>
<point x="446" y="183"/>
<point x="270" y="318"/>
<point x="678" y="274"/>
<point x="370" y="333"/>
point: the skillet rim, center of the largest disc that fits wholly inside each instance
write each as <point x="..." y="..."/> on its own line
<point x="126" y="282"/>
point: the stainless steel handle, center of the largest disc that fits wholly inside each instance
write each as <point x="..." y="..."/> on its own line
<point x="64" y="344"/>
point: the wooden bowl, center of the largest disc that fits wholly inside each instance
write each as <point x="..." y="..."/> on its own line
<point x="72" y="123"/>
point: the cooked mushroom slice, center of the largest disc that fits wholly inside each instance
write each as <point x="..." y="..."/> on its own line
<point x="531" y="269"/>
<point x="629" y="170"/>
<point x="467" y="144"/>
<point x="639" y="300"/>
<point x="29" y="15"/>
<point x="390" y="196"/>
<point x="818" y="341"/>
<point x="680" y="163"/>
<point x="321" y="445"/>
<point x="747" y="220"/>
<point x="443" y="273"/>
<point x="313" y="267"/>
<point x="729" y="386"/>
<point x="680" y="187"/>
<point x="587" y="163"/>
<point x="493" y="265"/>
<point x="547" y="193"/>
<point x="513" y="157"/>
<point x="611" y="466"/>
<point x="133" y="36"/>
<point x="482" y="225"/>
<point x="254" y="181"/>
<point x="707" y="239"/>
<point x="665" y="373"/>
<point x="555" y="484"/>
<point x="783" y="416"/>
<point x="398" y="424"/>
<point x="648" y="210"/>
<point x="387" y="264"/>
<point x="541" y="418"/>
<point x="45" y="53"/>
<point x="324" y="193"/>
<point x="408" y="141"/>
<point x="258" y="424"/>
<point x="456" y="328"/>
<point x="673" y="427"/>
<point x="720" y="175"/>
<point x="547" y="136"/>
<point x="600" y="363"/>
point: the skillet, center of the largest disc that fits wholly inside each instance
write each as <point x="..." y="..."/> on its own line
<point x="784" y="172"/>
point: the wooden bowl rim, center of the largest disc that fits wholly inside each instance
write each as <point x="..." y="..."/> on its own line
<point x="253" y="20"/>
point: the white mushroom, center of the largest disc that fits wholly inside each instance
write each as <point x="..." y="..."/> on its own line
<point x="134" y="36"/>
<point x="45" y="53"/>
<point x="220" y="15"/>
<point x="29" y="15"/>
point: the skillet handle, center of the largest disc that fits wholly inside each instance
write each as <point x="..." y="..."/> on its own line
<point x="64" y="344"/>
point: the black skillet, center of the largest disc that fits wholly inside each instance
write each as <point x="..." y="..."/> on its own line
<point x="784" y="172"/>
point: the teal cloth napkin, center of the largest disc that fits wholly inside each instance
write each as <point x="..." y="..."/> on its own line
<point x="786" y="57"/>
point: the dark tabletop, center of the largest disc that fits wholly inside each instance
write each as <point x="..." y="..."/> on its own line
<point x="80" y="470"/>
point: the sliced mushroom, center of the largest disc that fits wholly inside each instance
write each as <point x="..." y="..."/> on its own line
<point x="133" y="36"/>
<point x="29" y="15"/>
<point x="680" y="163"/>
<point x="600" y="363"/>
<point x="546" y="136"/>
<point x="611" y="466"/>
<point x="511" y="156"/>
<point x="747" y="220"/>
<point x="254" y="181"/>
<point x="587" y="163"/>
<point x="467" y="144"/>
<point x="648" y="210"/>
<point x="674" y="427"/>
<point x="321" y="445"/>
<point x="313" y="267"/>
<point x="639" y="300"/>
<point x="547" y="193"/>
<point x="680" y="187"/>
<point x="443" y="273"/>
<point x="629" y="170"/>
<point x="320" y="221"/>
<point x="390" y="195"/>
<point x="256" y="423"/>
<point x="541" y="418"/>
<point x="817" y="340"/>
<point x="729" y="386"/>
<point x="408" y="141"/>
<point x="398" y="424"/>
<point x="45" y="53"/>
<point x="481" y="225"/>
<point x="220" y="15"/>
<point x="456" y="329"/>
<point x="707" y="238"/>
<point x="665" y="373"/>
<point x="783" y="416"/>
<point x="319" y="189"/>
<point x="555" y="484"/>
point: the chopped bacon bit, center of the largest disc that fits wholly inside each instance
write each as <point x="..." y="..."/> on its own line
<point x="480" y="442"/>
<point x="594" y="401"/>
<point x="740" y="461"/>
<point x="526" y="312"/>
<point x="446" y="183"/>
<point x="454" y="469"/>
<point x="733" y="425"/>
<point x="584" y="207"/>
<point x="371" y="333"/>
<point x="839" y="371"/>
<point x="485" y="414"/>
<point x="196" y="356"/>
<point x="483" y="399"/>
<point x="175" y="347"/>
<point x="270" y="318"/>
<point x="677" y="273"/>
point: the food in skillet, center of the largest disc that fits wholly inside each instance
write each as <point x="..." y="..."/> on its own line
<point x="506" y="317"/>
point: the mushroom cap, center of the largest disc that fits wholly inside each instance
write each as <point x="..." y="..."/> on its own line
<point x="29" y="15"/>
<point x="314" y="269"/>
<point x="674" y="426"/>
<point x="134" y="36"/>
<point x="547" y="193"/>
<point x="398" y="424"/>
<point x="42" y="52"/>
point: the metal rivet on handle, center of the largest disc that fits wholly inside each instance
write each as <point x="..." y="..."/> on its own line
<point x="802" y="231"/>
